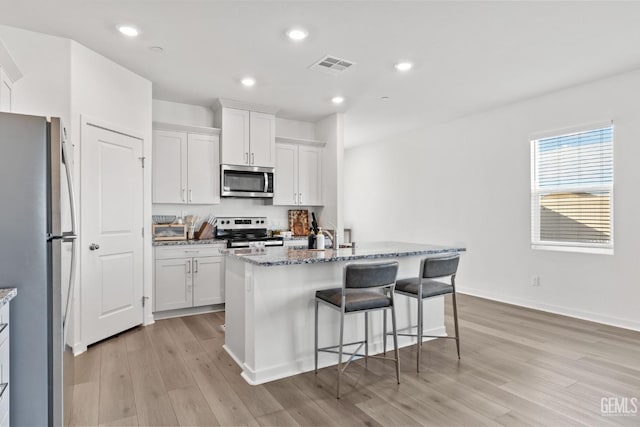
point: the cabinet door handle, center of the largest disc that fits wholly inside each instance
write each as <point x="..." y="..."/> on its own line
<point x="190" y="195"/>
<point x="246" y="158"/>
<point x="195" y="263"/>
<point x="299" y="198"/>
<point x="253" y="158"/>
<point x="189" y="267"/>
<point x="183" y="191"/>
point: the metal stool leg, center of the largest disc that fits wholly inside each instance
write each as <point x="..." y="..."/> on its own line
<point x="316" y="339"/>
<point x="455" y="321"/>
<point x="384" y="332"/>
<point x="340" y="353"/>
<point x="419" y="343"/>
<point x="395" y="337"/>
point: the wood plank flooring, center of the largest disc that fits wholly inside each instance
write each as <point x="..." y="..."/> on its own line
<point x="519" y="367"/>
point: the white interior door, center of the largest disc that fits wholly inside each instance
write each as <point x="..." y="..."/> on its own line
<point x="111" y="233"/>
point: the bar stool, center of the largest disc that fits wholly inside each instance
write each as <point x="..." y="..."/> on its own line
<point x="365" y="287"/>
<point x="425" y="287"/>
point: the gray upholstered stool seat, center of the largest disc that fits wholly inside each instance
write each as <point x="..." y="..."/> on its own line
<point x="366" y="287"/>
<point x="354" y="301"/>
<point x="430" y="288"/>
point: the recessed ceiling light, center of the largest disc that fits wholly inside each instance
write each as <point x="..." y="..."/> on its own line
<point x="337" y="99"/>
<point x="404" y="66"/>
<point x="156" y="49"/>
<point x="248" y="81"/>
<point x="128" y="31"/>
<point x="297" y="34"/>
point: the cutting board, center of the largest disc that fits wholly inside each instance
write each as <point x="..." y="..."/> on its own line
<point x="299" y="222"/>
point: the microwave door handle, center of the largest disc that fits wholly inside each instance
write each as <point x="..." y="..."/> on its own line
<point x="266" y="182"/>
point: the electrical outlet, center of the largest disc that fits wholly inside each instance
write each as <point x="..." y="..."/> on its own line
<point x="535" y="280"/>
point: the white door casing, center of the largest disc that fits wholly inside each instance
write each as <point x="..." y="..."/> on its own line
<point x="111" y="284"/>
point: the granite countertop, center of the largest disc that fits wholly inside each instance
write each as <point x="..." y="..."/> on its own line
<point x="189" y="242"/>
<point x="273" y="256"/>
<point x="6" y="295"/>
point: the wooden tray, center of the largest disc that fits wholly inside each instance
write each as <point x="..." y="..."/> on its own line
<point x="299" y="222"/>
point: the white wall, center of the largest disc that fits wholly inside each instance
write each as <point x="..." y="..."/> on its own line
<point x="295" y="129"/>
<point x="45" y="64"/>
<point x="331" y="130"/>
<point x="467" y="182"/>
<point x="107" y="92"/>
<point x="182" y="114"/>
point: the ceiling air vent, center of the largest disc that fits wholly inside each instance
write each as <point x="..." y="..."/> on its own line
<point x="332" y="65"/>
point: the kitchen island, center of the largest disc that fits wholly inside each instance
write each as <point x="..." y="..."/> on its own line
<point x="269" y="305"/>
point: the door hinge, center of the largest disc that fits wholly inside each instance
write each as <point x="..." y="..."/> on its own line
<point x="142" y="160"/>
<point x="144" y="301"/>
<point x="142" y="231"/>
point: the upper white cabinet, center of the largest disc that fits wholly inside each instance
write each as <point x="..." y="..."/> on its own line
<point x="298" y="176"/>
<point x="248" y="136"/>
<point x="186" y="164"/>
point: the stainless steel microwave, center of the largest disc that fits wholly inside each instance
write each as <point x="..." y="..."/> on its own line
<point x="246" y="181"/>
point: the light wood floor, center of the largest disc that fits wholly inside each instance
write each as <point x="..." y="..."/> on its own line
<point x="519" y="367"/>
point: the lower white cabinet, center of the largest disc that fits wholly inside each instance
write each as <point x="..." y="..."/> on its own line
<point x="186" y="278"/>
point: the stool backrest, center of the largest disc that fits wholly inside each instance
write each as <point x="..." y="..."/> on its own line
<point x="440" y="267"/>
<point x="370" y="275"/>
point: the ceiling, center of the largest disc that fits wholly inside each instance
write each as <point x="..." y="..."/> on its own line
<point x="468" y="56"/>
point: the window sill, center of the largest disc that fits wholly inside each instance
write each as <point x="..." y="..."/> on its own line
<point x="576" y="249"/>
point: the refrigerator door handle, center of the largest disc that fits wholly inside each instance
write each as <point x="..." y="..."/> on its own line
<point x="72" y="237"/>
<point x="72" y="195"/>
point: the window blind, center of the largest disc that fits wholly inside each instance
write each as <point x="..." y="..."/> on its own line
<point x="572" y="190"/>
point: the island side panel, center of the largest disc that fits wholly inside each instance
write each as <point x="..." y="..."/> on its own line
<point x="279" y="316"/>
<point x="235" y="284"/>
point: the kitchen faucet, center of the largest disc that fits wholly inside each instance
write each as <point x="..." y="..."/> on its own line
<point x="334" y="236"/>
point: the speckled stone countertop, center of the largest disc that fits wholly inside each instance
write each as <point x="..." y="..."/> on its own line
<point x="6" y="295"/>
<point x="365" y="251"/>
<point x="302" y="240"/>
<point x="189" y="242"/>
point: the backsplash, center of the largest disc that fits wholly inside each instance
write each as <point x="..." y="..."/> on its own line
<point x="276" y="215"/>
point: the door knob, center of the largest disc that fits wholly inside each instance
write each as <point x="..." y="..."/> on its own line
<point x="94" y="247"/>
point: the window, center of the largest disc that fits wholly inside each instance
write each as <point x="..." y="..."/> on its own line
<point x="572" y="191"/>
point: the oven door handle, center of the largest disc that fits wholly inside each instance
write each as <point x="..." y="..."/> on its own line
<point x="266" y="182"/>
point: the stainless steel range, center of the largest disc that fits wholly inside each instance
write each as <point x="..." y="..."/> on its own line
<point x="244" y="232"/>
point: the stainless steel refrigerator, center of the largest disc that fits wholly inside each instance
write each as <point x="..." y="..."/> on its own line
<point x="37" y="198"/>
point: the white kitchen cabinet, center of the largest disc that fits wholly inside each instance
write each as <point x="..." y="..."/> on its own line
<point x="298" y="176"/>
<point x="248" y="137"/>
<point x="188" y="276"/>
<point x="6" y="92"/>
<point x="186" y="166"/>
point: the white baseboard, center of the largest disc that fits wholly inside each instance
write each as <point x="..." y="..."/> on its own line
<point x="191" y="311"/>
<point x="555" y="309"/>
